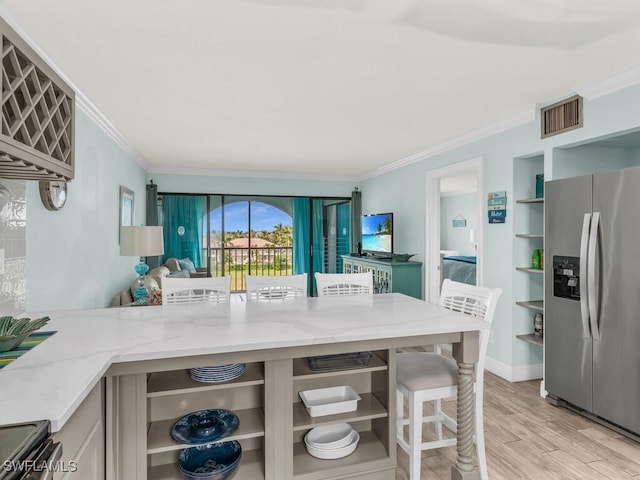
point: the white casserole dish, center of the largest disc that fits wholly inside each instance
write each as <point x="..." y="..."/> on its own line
<point x="330" y="401"/>
<point x="332" y="436"/>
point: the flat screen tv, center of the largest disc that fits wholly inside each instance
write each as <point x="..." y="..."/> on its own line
<point x="377" y="234"/>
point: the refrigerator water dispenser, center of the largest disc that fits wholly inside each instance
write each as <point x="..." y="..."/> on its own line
<point x="566" y="277"/>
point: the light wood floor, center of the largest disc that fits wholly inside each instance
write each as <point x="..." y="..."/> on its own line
<point x="527" y="438"/>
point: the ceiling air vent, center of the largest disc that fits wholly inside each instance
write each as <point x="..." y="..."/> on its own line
<point x="561" y="116"/>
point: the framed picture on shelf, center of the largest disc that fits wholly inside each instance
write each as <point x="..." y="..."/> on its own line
<point x="127" y="211"/>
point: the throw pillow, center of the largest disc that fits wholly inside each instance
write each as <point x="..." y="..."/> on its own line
<point x="180" y="274"/>
<point x="187" y="264"/>
<point x="158" y="273"/>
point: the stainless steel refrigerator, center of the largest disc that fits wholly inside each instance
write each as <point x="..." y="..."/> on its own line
<point x="592" y="295"/>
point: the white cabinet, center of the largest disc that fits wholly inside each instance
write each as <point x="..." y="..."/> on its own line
<point x="83" y="441"/>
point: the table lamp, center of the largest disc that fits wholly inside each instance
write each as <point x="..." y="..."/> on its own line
<point x="141" y="242"/>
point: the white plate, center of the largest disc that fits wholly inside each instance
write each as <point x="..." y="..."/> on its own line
<point x="202" y="376"/>
<point x="332" y="454"/>
<point x="220" y="369"/>
<point x="329" y="401"/>
<point x="217" y="374"/>
<point x="332" y="436"/>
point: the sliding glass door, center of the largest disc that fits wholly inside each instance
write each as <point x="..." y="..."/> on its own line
<point x="256" y="235"/>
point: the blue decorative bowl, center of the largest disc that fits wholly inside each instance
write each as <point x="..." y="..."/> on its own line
<point x="205" y="426"/>
<point x="215" y="461"/>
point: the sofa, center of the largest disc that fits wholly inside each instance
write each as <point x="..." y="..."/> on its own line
<point x="153" y="280"/>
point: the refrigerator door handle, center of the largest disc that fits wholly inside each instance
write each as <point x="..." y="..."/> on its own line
<point x="591" y="278"/>
<point x="584" y="248"/>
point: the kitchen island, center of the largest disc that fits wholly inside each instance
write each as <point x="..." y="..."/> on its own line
<point x="142" y="355"/>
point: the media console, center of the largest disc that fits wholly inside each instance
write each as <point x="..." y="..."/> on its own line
<point x="389" y="276"/>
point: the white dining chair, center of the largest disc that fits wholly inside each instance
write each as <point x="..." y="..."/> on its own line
<point x="431" y="377"/>
<point x="196" y="290"/>
<point x="275" y="287"/>
<point x="332" y="284"/>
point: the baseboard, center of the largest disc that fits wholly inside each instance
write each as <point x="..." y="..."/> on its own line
<point x="513" y="374"/>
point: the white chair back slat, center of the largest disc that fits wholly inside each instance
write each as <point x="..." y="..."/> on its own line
<point x="275" y="287"/>
<point x="333" y="284"/>
<point x="176" y="291"/>
<point x="479" y="302"/>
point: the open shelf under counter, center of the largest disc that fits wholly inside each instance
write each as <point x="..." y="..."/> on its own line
<point x="251" y="468"/>
<point x="178" y="382"/>
<point x="369" y="407"/>
<point x="370" y="454"/>
<point x="531" y="338"/>
<point x="159" y="437"/>
<point x="537" y="305"/>
<point x="301" y="369"/>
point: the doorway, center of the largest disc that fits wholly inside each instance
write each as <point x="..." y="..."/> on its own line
<point x="435" y="181"/>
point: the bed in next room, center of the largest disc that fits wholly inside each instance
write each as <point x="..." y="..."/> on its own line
<point x="459" y="268"/>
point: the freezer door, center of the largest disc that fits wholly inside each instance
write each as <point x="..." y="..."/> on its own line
<point x="616" y="354"/>
<point x="567" y="342"/>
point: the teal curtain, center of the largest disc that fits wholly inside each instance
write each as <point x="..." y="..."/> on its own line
<point x="318" y="236"/>
<point x="344" y="232"/>
<point x="300" y="220"/>
<point x="186" y="211"/>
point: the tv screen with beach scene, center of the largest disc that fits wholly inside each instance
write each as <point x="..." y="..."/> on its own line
<point x="377" y="233"/>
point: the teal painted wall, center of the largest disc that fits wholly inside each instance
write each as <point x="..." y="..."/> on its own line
<point x="457" y="238"/>
<point x="73" y="257"/>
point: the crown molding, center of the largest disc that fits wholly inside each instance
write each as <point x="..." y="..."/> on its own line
<point x="83" y="103"/>
<point x="224" y="172"/>
<point x="525" y="116"/>
<point x="88" y="108"/>
<point x="591" y="91"/>
<point x="626" y="78"/>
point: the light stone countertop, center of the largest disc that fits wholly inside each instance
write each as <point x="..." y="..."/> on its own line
<point x="51" y="380"/>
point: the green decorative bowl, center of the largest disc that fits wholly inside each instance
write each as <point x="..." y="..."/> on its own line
<point x="9" y="342"/>
<point x="14" y="330"/>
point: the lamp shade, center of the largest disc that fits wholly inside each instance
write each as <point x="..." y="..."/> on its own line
<point x="141" y="241"/>
<point x="472" y="235"/>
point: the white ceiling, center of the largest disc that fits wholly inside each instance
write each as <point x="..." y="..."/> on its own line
<point x="339" y="88"/>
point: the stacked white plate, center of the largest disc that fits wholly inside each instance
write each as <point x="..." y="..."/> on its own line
<point x="218" y="373"/>
<point x="332" y="441"/>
